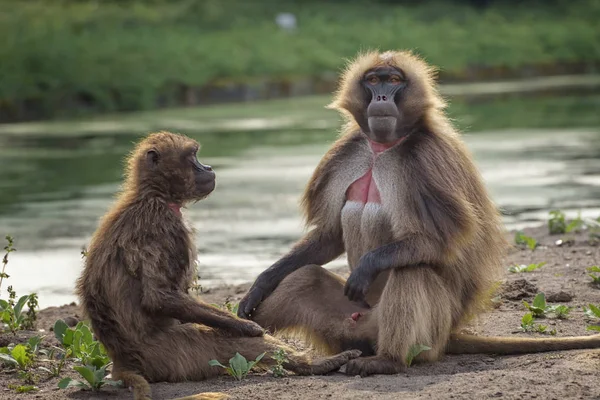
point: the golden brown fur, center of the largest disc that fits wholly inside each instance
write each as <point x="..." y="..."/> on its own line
<point x="140" y="264"/>
<point x="436" y="237"/>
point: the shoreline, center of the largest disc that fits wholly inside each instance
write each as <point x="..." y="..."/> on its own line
<point x="554" y="374"/>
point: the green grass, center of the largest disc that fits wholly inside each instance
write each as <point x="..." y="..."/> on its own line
<point x="79" y="57"/>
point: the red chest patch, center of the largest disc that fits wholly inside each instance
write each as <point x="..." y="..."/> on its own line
<point x="364" y="190"/>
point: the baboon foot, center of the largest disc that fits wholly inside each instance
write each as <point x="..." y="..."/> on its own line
<point x="374" y="365"/>
<point x="325" y="365"/>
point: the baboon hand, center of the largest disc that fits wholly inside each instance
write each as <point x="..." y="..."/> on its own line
<point x="257" y="293"/>
<point x="358" y="283"/>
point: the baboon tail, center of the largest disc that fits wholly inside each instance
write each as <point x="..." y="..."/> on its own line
<point x="205" y="396"/>
<point x="470" y="344"/>
<point x="139" y="384"/>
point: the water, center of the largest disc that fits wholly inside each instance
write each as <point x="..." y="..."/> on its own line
<point x="535" y="154"/>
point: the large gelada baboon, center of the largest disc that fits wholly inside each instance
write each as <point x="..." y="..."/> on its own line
<point x="140" y="265"/>
<point x="400" y="194"/>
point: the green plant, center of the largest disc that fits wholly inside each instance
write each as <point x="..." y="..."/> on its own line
<point x="527" y="322"/>
<point x="280" y="357"/>
<point x="95" y="378"/>
<point x="17" y="357"/>
<point x="561" y="311"/>
<point x="12" y="315"/>
<point x="593" y="271"/>
<point x="414" y="351"/>
<point x="526" y="268"/>
<point x="238" y="365"/>
<point x="81" y="344"/>
<point x="556" y="222"/>
<point x="575" y="225"/>
<point x="232" y="308"/>
<point x="9" y="248"/>
<point x="23" y="388"/>
<point x="527" y="325"/>
<point x="593" y="312"/>
<point x="522" y="239"/>
<point x="538" y="307"/>
<point x="55" y="368"/>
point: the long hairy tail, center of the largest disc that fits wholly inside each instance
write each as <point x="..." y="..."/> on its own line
<point x="470" y="344"/>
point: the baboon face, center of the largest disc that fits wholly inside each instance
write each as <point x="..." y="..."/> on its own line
<point x="387" y="93"/>
<point x="171" y="167"/>
<point x="202" y="175"/>
<point x="383" y="88"/>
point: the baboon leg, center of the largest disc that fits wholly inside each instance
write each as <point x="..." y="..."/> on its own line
<point x="416" y="308"/>
<point x="193" y="346"/>
<point x="310" y="302"/>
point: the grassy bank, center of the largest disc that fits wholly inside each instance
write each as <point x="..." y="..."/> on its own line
<point x="63" y="58"/>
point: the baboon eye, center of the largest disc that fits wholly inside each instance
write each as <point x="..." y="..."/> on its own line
<point x="395" y="79"/>
<point x="373" y="80"/>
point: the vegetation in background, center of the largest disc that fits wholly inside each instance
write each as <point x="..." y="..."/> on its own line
<point x="526" y="268"/>
<point x="67" y="56"/>
<point x="593" y="271"/>
<point x="523" y="240"/>
<point x="593" y="313"/>
<point x="12" y="313"/>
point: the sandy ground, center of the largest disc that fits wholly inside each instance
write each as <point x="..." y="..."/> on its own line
<point x="554" y="375"/>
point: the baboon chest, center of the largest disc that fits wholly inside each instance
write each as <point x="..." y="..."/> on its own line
<point x="365" y="220"/>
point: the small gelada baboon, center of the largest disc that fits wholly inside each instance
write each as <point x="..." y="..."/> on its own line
<point x="400" y="194"/>
<point x="140" y="266"/>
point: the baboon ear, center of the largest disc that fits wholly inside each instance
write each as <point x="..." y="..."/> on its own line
<point x="152" y="157"/>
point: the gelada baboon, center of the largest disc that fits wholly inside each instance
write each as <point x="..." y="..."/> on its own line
<point x="400" y="194"/>
<point x="140" y="264"/>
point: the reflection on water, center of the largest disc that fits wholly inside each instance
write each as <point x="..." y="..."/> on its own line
<point x="54" y="189"/>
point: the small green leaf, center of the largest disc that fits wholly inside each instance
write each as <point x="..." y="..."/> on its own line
<point x="592" y="311"/>
<point x="215" y="363"/>
<point x="19" y="353"/>
<point x="593" y="328"/>
<point x="256" y="361"/>
<point x="414" y="351"/>
<point x="8" y="359"/>
<point x="60" y="328"/>
<point x="69" y="382"/>
<point x="87" y="373"/>
<point x="20" y="304"/>
<point x="540" y="301"/>
<point x="239" y="365"/>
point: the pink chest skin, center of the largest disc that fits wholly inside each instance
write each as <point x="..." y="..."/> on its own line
<point x="364" y="190"/>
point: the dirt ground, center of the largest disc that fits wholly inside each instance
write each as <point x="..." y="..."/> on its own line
<point x="554" y="375"/>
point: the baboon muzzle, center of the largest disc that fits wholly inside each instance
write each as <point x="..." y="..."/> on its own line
<point x="382" y="114"/>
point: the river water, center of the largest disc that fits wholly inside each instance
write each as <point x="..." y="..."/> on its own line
<point x="535" y="153"/>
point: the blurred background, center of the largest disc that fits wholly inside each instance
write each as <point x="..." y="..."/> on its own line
<point x="81" y="80"/>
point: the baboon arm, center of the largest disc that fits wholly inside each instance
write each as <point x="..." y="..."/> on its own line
<point x="410" y="251"/>
<point x="316" y="247"/>
<point x="172" y="303"/>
